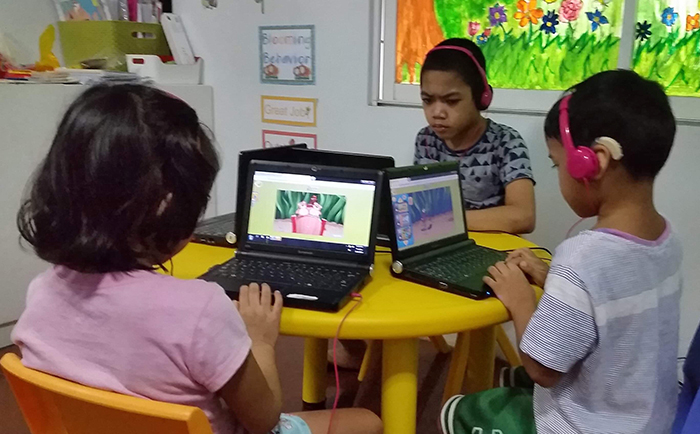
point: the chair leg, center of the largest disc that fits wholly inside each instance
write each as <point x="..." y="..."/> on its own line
<point x="366" y="360"/>
<point x="441" y="344"/>
<point x="507" y="347"/>
<point x="458" y="367"/>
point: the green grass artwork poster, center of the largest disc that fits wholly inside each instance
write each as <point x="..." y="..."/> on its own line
<point x="528" y="44"/>
<point x="667" y="44"/>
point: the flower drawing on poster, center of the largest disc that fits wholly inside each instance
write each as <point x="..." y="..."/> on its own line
<point x="667" y="45"/>
<point x="287" y="55"/>
<point x="528" y="44"/>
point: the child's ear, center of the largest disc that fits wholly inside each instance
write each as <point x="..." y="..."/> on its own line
<point x="607" y="150"/>
<point x="164" y="204"/>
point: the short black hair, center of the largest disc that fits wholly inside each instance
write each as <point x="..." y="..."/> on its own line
<point x="127" y="177"/>
<point x="626" y="107"/>
<point x="456" y="61"/>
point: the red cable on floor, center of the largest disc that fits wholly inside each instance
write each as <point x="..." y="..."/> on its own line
<point x="358" y="299"/>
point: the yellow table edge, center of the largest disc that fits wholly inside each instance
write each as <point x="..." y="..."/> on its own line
<point x="368" y="321"/>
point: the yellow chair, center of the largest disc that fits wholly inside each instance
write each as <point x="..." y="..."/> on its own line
<point x="52" y="405"/>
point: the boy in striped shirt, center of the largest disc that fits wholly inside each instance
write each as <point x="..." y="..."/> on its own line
<point x="602" y="343"/>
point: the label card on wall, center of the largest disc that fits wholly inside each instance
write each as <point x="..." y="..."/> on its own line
<point x="286" y="110"/>
<point x="287" y="55"/>
<point x="275" y="139"/>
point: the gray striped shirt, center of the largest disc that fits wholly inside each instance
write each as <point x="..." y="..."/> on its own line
<point x="609" y="321"/>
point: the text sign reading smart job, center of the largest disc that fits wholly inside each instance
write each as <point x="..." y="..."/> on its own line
<point x="288" y="111"/>
<point x="287" y="55"/>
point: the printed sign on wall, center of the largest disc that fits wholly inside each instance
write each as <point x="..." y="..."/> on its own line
<point x="275" y="139"/>
<point x="286" y="110"/>
<point x="287" y="55"/>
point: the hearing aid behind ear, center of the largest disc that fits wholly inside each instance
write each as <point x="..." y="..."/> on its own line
<point x="612" y="145"/>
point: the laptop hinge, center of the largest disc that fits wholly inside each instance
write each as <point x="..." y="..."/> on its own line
<point x="304" y="259"/>
<point x="439" y="251"/>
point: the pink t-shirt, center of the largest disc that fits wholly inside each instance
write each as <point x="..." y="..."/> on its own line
<point x="139" y="333"/>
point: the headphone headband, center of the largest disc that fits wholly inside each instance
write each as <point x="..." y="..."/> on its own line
<point x="487" y="95"/>
<point x="564" y="129"/>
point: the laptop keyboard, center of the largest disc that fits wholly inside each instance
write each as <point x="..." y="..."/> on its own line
<point x="290" y="273"/>
<point x="460" y="265"/>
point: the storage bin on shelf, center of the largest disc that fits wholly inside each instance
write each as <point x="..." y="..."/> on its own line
<point x="149" y="66"/>
<point x="83" y="40"/>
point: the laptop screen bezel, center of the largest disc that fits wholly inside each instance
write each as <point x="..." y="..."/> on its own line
<point x="320" y="171"/>
<point x="420" y="171"/>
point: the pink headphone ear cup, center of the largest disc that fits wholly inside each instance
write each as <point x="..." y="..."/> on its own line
<point x="582" y="163"/>
<point x="486" y="98"/>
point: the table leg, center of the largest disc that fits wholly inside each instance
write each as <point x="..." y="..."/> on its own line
<point x="458" y="367"/>
<point x="400" y="386"/>
<point x="480" y="364"/>
<point x="507" y="347"/>
<point x="315" y="380"/>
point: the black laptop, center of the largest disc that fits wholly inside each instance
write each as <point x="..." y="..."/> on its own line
<point x="430" y="242"/>
<point x="222" y="230"/>
<point x="308" y="231"/>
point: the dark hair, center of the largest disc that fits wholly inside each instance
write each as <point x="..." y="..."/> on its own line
<point x="126" y="179"/>
<point x="626" y="107"/>
<point x="456" y="61"/>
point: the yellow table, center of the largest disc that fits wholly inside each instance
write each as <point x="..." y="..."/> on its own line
<point x="398" y="313"/>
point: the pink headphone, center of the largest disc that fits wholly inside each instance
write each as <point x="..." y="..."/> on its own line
<point x="487" y="95"/>
<point x="581" y="162"/>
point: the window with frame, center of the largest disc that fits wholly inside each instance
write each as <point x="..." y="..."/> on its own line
<point x="537" y="48"/>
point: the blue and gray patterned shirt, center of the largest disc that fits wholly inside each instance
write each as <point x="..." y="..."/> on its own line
<point x="497" y="159"/>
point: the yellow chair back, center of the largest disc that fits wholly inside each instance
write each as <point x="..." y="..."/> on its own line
<point x="52" y="405"/>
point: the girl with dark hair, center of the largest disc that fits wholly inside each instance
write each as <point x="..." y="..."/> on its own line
<point x="119" y="193"/>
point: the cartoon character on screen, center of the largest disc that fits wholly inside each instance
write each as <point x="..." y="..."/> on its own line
<point x="424" y="218"/>
<point x="307" y="218"/>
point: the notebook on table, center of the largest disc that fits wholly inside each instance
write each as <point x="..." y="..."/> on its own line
<point x="308" y="231"/>
<point x="223" y="230"/>
<point x="430" y="242"/>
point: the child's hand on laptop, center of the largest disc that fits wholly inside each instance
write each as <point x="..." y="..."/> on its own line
<point x="531" y="265"/>
<point x="261" y="316"/>
<point x="510" y="285"/>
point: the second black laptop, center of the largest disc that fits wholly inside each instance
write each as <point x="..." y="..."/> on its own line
<point x="430" y="242"/>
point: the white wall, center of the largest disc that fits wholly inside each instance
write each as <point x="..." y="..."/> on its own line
<point x="24" y="21"/>
<point x="29" y="115"/>
<point x="227" y="38"/>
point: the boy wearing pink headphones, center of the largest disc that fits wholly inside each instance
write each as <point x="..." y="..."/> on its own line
<point x="497" y="181"/>
<point x="601" y="344"/>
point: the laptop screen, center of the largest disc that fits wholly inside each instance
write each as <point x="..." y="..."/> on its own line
<point x="426" y="208"/>
<point x="309" y="212"/>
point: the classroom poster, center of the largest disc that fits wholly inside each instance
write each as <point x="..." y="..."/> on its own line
<point x="528" y="44"/>
<point x="285" y="110"/>
<point x="287" y="55"/>
<point x="667" y="44"/>
<point x="275" y="139"/>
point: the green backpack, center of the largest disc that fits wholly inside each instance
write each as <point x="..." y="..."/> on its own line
<point x="505" y="410"/>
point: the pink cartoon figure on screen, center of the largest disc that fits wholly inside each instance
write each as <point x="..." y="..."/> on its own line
<point x="307" y="219"/>
<point x="310" y="213"/>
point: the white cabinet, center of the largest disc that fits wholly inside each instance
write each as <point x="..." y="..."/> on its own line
<point x="29" y="115"/>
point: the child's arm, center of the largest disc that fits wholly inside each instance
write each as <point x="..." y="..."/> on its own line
<point x="254" y="393"/>
<point x="517" y="216"/>
<point x="511" y="286"/>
